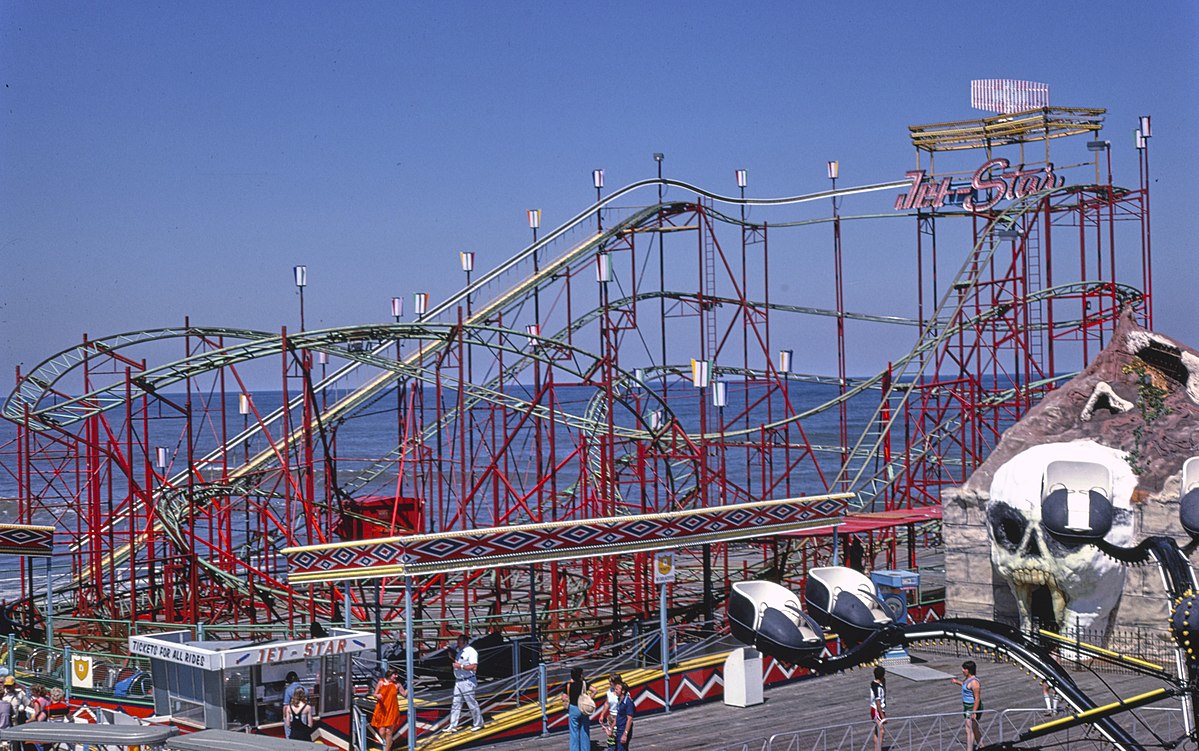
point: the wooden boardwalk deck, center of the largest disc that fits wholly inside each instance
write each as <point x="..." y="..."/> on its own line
<point x="843" y="698"/>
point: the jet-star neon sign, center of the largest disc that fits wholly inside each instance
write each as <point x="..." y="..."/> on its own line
<point x="992" y="182"/>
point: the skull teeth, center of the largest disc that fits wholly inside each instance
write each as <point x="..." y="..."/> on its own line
<point x="1025" y="580"/>
<point x="1032" y="576"/>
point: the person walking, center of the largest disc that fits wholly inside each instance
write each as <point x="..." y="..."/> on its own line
<point x="625" y="710"/>
<point x="878" y="705"/>
<point x="14" y="697"/>
<point x="1049" y="694"/>
<point x="386" y="717"/>
<point x="579" y="706"/>
<point x="297" y="716"/>
<point x="607" y="717"/>
<point x="972" y="702"/>
<point x="466" y="680"/>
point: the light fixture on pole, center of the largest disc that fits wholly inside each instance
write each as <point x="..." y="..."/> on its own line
<point x="301" y="276"/>
<point x="785" y="360"/>
<point x="244" y="407"/>
<point x="1140" y="140"/>
<point x="659" y="157"/>
<point x="720" y="394"/>
<point x="533" y="331"/>
<point x="535" y="224"/>
<point x="597" y="178"/>
<point x="162" y="457"/>
<point x="397" y="310"/>
<point x="1146" y="126"/>
<point x="834" y="169"/>
<point x="742" y="181"/>
<point x="603" y="268"/>
<point x="701" y="373"/>
<point x="468" y="265"/>
<point x="420" y="304"/>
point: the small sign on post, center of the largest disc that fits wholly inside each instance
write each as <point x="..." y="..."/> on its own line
<point x="81" y="671"/>
<point x="664" y="567"/>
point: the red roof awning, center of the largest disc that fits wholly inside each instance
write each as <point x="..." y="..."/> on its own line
<point x="868" y="522"/>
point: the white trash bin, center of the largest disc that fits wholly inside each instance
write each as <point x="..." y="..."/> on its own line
<point x="743" y="678"/>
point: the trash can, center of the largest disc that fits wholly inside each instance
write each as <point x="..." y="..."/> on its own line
<point x="743" y="678"/>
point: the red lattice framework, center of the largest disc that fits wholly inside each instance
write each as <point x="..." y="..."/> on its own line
<point x="176" y="464"/>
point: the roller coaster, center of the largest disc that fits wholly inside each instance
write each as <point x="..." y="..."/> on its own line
<point x="641" y="357"/>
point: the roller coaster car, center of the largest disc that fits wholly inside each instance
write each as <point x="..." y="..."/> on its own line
<point x="846" y="601"/>
<point x="1188" y="503"/>
<point x="768" y="616"/>
<point x="1076" y="505"/>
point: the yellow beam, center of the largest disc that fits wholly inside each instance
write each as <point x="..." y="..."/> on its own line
<point x="1100" y="650"/>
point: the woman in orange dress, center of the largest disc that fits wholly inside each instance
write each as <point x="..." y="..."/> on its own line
<point x="386" y="717"/>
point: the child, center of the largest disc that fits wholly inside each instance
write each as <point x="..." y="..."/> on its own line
<point x="608" y="716"/>
<point x="878" y="705"/>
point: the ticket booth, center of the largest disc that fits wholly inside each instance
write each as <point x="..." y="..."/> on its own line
<point x="230" y="685"/>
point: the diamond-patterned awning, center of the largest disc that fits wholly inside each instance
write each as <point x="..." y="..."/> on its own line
<point x="445" y="552"/>
<point x="26" y="539"/>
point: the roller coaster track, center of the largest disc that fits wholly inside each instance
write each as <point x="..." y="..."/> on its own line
<point x="39" y="382"/>
<point x="940" y="329"/>
<point x="38" y="404"/>
<point x="25" y="403"/>
<point x="1033" y="655"/>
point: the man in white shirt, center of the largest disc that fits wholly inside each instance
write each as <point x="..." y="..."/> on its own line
<point x="466" y="679"/>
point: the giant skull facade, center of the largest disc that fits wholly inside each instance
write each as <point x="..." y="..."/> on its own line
<point x="1082" y="584"/>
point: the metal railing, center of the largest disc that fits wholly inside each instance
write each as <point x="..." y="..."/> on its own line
<point x="946" y="732"/>
<point x="542" y="685"/>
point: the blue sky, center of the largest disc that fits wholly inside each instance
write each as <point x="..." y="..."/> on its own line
<point x="162" y="160"/>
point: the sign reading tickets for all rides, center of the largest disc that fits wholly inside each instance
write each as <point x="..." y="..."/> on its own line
<point x="664" y="567"/>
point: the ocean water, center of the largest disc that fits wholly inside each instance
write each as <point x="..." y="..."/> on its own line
<point x="365" y="442"/>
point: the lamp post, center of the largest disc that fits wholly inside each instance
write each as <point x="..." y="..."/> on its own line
<point x="468" y="265"/>
<point x="397" y="312"/>
<point x="301" y="276"/>
<point x="833" y="171"/>
<point x="742" y="177"/>
<point x="535" y="224"/>
<point x="719" y="401"/>
<point x="597" y="178"/>
<point x="1145" y="133"/>
<point x="658" y="158"/>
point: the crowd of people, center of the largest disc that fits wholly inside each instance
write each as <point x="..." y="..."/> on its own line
<point x="39" y="704"/>
<point x="615" y="714"/>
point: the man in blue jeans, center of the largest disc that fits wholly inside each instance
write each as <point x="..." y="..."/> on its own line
<point x="625" y="710"/>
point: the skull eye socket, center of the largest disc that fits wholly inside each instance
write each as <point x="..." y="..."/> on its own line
<point x="1007" y="525"/>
